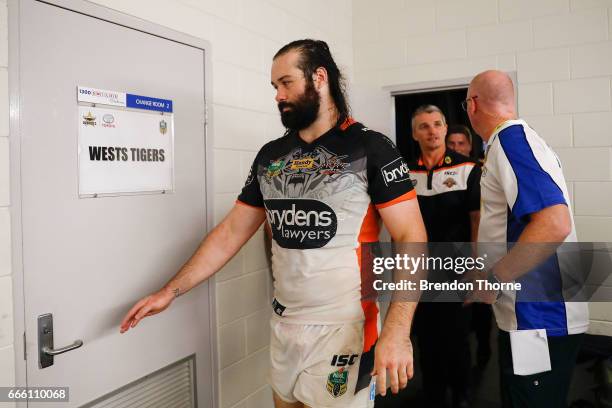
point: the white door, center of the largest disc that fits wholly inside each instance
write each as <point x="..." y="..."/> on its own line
<point x="87" y="260"/>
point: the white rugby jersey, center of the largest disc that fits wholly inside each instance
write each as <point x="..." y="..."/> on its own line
<point x="321" y="202"/>
<point x="521" y="176"/>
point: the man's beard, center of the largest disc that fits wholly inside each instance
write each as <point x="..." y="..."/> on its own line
<point x="304" y="111"/>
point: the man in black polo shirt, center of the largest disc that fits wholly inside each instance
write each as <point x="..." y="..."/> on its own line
<point x="448" y="190"/>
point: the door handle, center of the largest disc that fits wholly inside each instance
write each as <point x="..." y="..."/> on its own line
<point x="55" y="352"/>
<point x="45" y="342"/>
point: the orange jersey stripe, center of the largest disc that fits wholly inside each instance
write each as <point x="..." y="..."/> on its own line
<point x="348" y="122"/>
<point x="368" y="233"/>
<point x="248" y="205"/>
<point x="404" y="197"/>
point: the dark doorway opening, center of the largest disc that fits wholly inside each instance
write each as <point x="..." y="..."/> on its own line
<point x="449" y="101"/>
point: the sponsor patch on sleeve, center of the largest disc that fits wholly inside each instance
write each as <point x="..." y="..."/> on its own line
<point x="395" y="171"/>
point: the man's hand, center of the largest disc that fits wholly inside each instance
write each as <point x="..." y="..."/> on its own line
<point x="393" y="353"/>
<point x="147" y="306"/>
<point x="478" y="295"/>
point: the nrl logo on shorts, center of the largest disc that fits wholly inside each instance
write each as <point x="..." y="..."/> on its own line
<point x="337" y="383"/>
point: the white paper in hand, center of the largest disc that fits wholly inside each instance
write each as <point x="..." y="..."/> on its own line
<point x="530" y="353"/>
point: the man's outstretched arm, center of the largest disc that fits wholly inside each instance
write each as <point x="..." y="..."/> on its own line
<point x="217" y="248"/>
<point x="394" y="349"/>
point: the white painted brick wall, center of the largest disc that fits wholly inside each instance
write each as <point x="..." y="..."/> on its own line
<point x="593" y="129"/>
<point x="535" y="99"/>
<point x="499" y="39"/>
<point x="594" y="229"/>
<point x="556" y="130"/>
<point x="593" y="198"/>
<point x="545" y="65"/>
<point x="527" y="9"/>
<point x="259" y="399"/>
<point x="585" y="4"/>
<point x="233" y="346"/>
<point x="241" y="380"/>
<point x="592" y="60"/>
<point x="577" y="28"/>
<point x="452" y="14"/>
<point x="582" y="95"/>
<point x="406" y="22"/>
<point x="442" y="46"/>
<point x="586" y="163"/>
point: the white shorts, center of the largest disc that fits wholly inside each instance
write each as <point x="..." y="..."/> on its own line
<point x="318" y="365"/>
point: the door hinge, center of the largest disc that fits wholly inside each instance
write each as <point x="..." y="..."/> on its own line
<point x="25" y="353"/>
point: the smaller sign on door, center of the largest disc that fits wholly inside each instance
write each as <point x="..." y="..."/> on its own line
<point x="126" y="143"/>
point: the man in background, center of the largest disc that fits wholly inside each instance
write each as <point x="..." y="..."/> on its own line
<point x="448" y="190"/>
<point x="459" y="139"/>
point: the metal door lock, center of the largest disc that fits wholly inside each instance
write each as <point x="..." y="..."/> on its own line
<point x="45" y="342"/>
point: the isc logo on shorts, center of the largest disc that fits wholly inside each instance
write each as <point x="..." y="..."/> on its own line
<point x="341" y="360"/>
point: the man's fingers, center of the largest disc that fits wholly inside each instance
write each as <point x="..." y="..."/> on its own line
<point x="402" y="377"/>
<point x="381" y="381"/>
<point x="393" y="379"/>
<point x="128" y="320"/>
<point x="410" y="370"/>
<point x="141" y="313"/>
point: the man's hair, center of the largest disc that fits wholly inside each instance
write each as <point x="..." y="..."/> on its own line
<point x="459" y="129"/>
<point x="427" y="109"/>
<point x="315" y="54"/>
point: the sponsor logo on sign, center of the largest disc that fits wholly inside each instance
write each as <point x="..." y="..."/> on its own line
<point x="301" y="224"/>
<point x="108" y="121"/>
<point x="297" y="164"/>
<point x="163" y="127"/>
<point x="395" y="171"/>
<point x="449" y="182"/>
<point x="341" y="360"/>
<point x="89" y="119"/>
<point x="337" y="383"/>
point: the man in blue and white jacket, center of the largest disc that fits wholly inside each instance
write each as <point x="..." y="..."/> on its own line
<point x="524" y="200"/>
